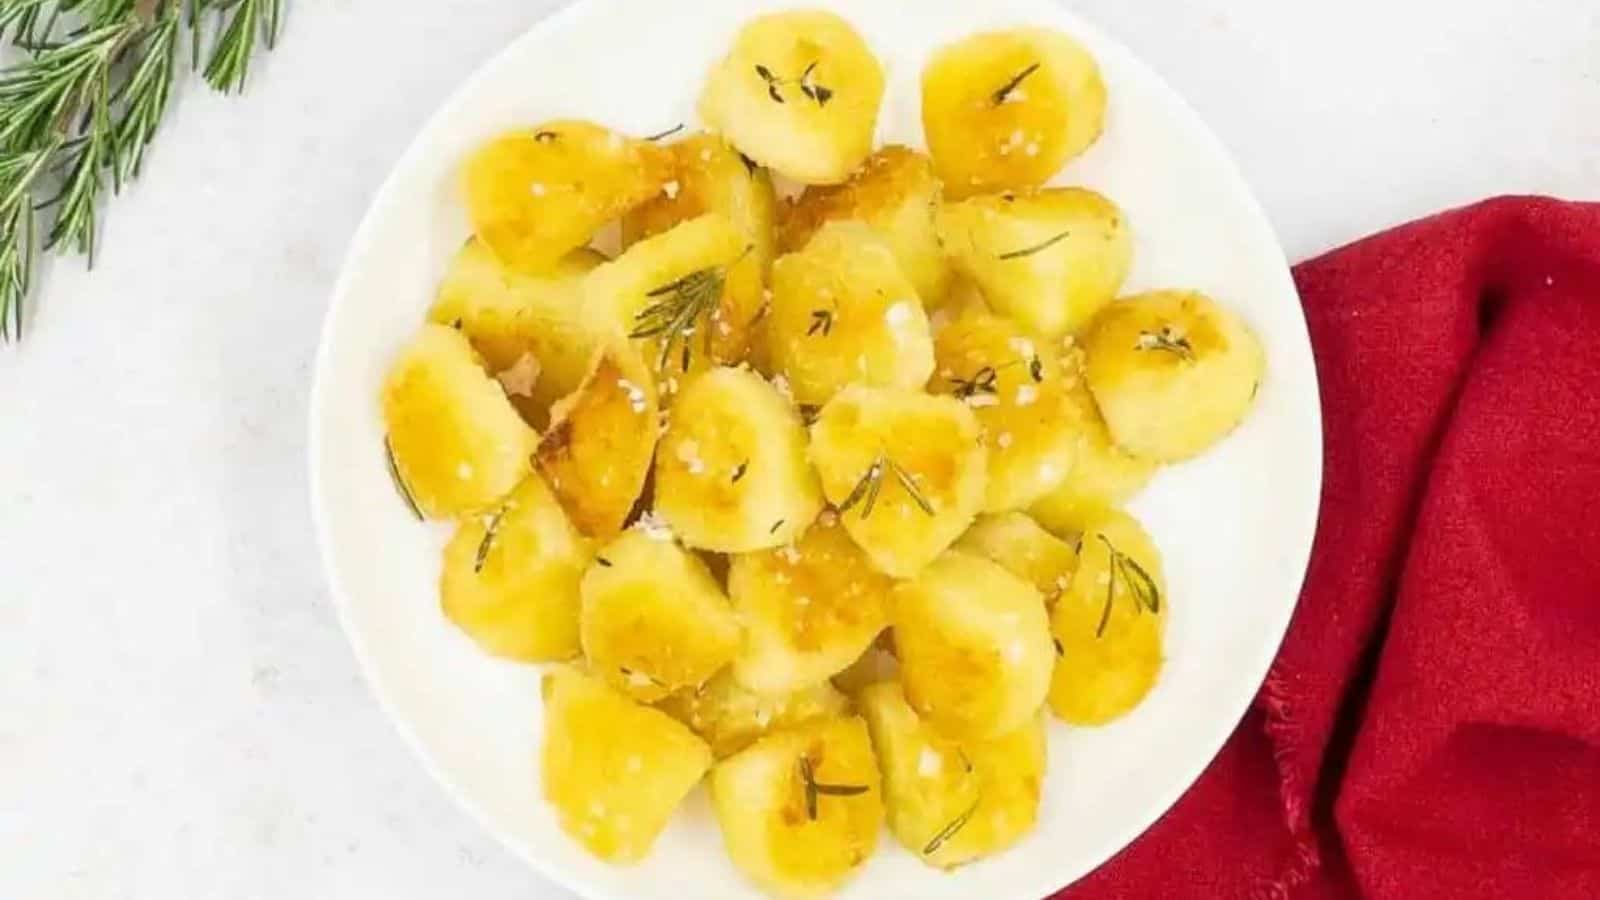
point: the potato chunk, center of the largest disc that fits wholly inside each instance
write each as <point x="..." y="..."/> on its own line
<point x="951" y="802"/>
<point x="528" y="328"/>
<point x="1109" y="624"/>
<point x="709" y="176"/>
<point x="731" y="473"/>
<point x="510" y="577"/>
<point x="801" y="809"/>
<point x="663" y="292"/>
<point x="1015" y="386"/>
<point x="731" y="718"/>
<point x="1173" y="372"/>
<point x="1049" y="259"/>
<point x="895" y="192"/>
<point x="906" y="471"/>
<point x="614" y="770"/>
<point x="536" y="194"/>
<point x="799" y="93"/>
<point x="974" y="647"/>
<point x="809" y="609"/>
<point x="1007" y="109"/>
<point x="1025" y="549"/>
<point x="597" y="452"/>
<point x="653" y="618"/>
<point x="843" y="313"/>
<point x="455" y="442"/>
<point x="1104" y="477"/>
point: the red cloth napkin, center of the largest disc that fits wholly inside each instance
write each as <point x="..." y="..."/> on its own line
<point x="1431" y="728"/>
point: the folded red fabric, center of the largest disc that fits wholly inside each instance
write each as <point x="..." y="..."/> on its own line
<point x="1431" y="728"/>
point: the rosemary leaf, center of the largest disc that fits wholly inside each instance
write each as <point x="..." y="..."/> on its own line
<point x="489" y="534"/>
<point x="951" y="830"/>
<point x="1004" y="93"/>
<point x="399" y="480"/>
<point x="1168" y="341"/>
<point x="1036" y="248"/>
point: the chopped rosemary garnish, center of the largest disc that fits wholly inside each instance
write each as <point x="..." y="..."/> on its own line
<point x="815" y="91"/>
<point x="400" y="482"/>
<point x="739" y="470"/>
<point x="950" y="831"/>
<point x="984" y="381"/>
<point x="456" y="324"/>
<point x="603" y="561"/>
<point x="772" y="82"/>
<point x="545" y="137"/>
<point x="668" y="133"/>
<point x="677" y="309"/>
<point x="1036" y="369"/>
<point x="1166" y="340"/>
<point x="489" y="534"/>
<point x="1060" y="651"/>
<point x="1004" y="93"/>
<point x="775" y="526"/>
<point x="1146" y="595"/>
<point x="815" y="788"/>
<point x="1036" y="248"/>
<point x="749" y="164"/>
<point x="872" y="482"/>
<point x="821" y="322"/>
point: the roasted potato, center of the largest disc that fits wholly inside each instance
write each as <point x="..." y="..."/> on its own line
<point x="1103" y="476"/>
<point x="510" y="577"/>
<point x="663" y="294"/>
<point x="1108" y="624"/>
<point x="799" y="93"/>
<point x="536" y="194"/>
<point x="1007" y="109"/>
<point x="951" y="802"/>
<point x="974" y="647"/>
<point x="1049" y="259"/>
<point x="455" y="443"/>
<point x="528" y="328"/>
<point x="731" y="473"/>
<point x="601" y="439"/>
<point x="709" y="176"/>
<point x="801" y="809"/>
<point x="843" y="313"/>
<point x="895" y="192"/>
<point x="731" y="718"/>
<point x="809" y="609"/>
<point x="1015" y="386"/>
<point x="1172" y="372"/>
<point x="614" y="770"/>
<point x="653" y="619"/>
<point x="906" y="471"/>
<point x="1025" y="549"/>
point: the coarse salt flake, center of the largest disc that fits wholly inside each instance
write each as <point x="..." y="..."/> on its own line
<point x="537" y="189"/>
<point x="1003" y="440"/>
<point x="654" y="527"/>
<point x="464" y="471"/>
<point x="519" y="379"/>
<point x="929" y="762"/>
<point x="1027" y="394"/>
<point x="670" y="189"/>
<point x="980" y="400"/>
<point x="636" y="395"/>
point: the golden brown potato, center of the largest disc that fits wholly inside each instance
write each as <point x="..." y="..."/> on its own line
<point x="597" y="452"/>
<point x="809" y="609"/>
<point x="528" y="328"/>
<point x="455" y="443"/>
<point x="1108" y="625"/>
<point x="1015" y="386"/>
<point x="801" y="809"/>
<point x="1025" y="549"/>
<point x="731" y="473"/>
<point x="1172" y="372"/>
<point x="709" y="176"/>
<point x="895" y="192"/>
<point x="974" y="647"/>
<point x="731" y="718"/>
<point x="614" y="770"/>
<point x="1104" y="477"/>
<point x="843" y="313"/>
<point x="1007" y="109"/>
<point x="799" y="93"/>
<point x="905" y="470"/>
<point x="1049" y="259"/>
<point x="653" y="619"/>
<point x="510" y="577"/>
<point x="951" y="802"/>
<point x="536" y="194"/>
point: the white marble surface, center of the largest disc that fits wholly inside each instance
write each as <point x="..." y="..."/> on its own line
<point x="179" y="714"/>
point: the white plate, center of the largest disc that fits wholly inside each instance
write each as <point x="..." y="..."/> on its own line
<point x="1235" y="527"/>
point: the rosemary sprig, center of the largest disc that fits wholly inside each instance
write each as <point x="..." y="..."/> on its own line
<point x="665" y="134"/>
<point x="871" y="483"/>
<point x="490" y="532"/>
<point x="984" y="381"/>
<point x="951" y="830"/>
<point x="677" y="308"/>
<point x="738" y="471"/>
<point x="1166" y="340"/>
<point x="821" y="323"/>
<point x="1004" y="93"/>
<point x="1036" y="248"/>
<point x="1136" y="581"/>
<point x="815" y="92"/>
<point x="815" y="788"/>
<point x="80" y="109"/>
<point x="399" y="480"/>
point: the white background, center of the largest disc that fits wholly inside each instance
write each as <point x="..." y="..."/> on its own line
<point x="180" y="716"/>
